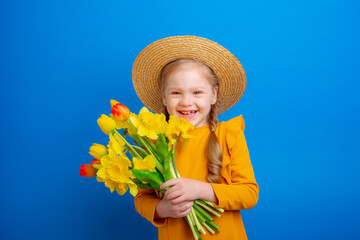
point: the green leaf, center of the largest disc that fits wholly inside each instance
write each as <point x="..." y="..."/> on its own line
<point x="169" y="172"/>
<point x="162" y="148"/>
<point x="141" y="185"/>
<point x="155" y="179"/>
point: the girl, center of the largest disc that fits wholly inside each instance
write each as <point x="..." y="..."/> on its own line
<point x="197" y="79"/>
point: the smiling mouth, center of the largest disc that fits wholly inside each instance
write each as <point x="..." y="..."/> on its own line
<point x="187" y="113"/>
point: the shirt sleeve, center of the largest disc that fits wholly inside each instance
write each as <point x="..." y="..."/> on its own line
<point x="145" y="203"/>
<point x="239" y="189"/>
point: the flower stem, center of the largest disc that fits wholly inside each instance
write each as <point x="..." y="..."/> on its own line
<point x="190" y="222"/>
<point x="214" y="226"/>
<point x="208" y="228"/>
<point x="202" y="212"/>
<point x="207" y="208"/>
<point x="212" y="205"/>
<point x="159" y="166"/>
<point x="197" y="223"/>
<point x="199" y="216"/>
<point x="145" y="153"/>
<point x="128" y="144"/>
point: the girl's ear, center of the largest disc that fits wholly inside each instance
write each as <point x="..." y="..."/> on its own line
<point x="214" y="97"/>
<point x="164" y="100"/>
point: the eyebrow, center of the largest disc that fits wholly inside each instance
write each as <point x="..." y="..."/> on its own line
<point x="194" y="88"/>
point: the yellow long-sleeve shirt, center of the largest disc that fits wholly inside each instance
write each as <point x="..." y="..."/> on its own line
<point x="237" y="191"/>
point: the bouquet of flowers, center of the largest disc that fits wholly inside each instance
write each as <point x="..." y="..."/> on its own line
<point x="148" y="162"/>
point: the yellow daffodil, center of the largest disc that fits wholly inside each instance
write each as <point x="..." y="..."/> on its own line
<point x="149" y="124"/>
<point x="124" y="124"/>
<point x="121" y="188"/>
<point x="98" y="150"/>
<point x="107" y="124"/>
<point x="133" y="189"/>
<point x="178" y="127"/>
<point x="117" y="144"/>
<point x="114" y="171"/>
<point x="120" y="124"/>
<point x="148" y="163"/>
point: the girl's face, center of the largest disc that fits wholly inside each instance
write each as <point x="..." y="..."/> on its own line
<point x="188" y="94"/>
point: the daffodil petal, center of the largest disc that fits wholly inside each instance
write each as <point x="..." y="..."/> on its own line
<point x="148" y="163"/>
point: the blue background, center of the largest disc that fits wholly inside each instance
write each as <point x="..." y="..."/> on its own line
<point x="62" y="61"/>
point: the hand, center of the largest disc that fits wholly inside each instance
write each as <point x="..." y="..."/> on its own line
<point x="186" y="189"/>
<point x="166" y="208"/>
<point x="183" y="189"/>
<point x="178" y="199"/>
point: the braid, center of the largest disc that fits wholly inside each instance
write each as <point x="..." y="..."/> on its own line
<point x="165" y="112"/>
<point x="213" y="149"/>
<point x="212" y="119"/>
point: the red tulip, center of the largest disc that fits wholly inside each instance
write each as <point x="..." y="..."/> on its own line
<point x="120" y="112"/>
<point x="95" y="161"/>
<point x="87" y="170"/>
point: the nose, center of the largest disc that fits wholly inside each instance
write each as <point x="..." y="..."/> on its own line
<point x="186" y="100"/>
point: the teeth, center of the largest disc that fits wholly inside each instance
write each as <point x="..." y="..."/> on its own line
<point x="187" y="112"/>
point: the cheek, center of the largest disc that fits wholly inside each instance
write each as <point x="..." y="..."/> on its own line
<point x="206" y="103"/>
<point x="171" y="106"/>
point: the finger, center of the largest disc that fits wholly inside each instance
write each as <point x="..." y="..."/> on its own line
<point x="180" y="195"/>
<point x="186" y="205"/>
<point x="184" y="213"/>
<point x="174" y="193"/>
<point x="171" y="190"/>
<point x="169" y="183"/>
<point x="178" y="200"/>
<point x="180" y="210"/>
<point x="185" y="208"/>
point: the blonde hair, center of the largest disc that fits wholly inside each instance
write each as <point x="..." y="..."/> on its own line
<point x="213" y="151"/>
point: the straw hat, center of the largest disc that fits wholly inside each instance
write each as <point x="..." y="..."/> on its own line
<point x="154" y="57"/>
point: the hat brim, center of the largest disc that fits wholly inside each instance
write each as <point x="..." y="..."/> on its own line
<point x="154" y="57"/>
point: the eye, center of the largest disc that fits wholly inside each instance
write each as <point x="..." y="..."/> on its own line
<point x="197" y="92"/>
<point x="174" y="93"/>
